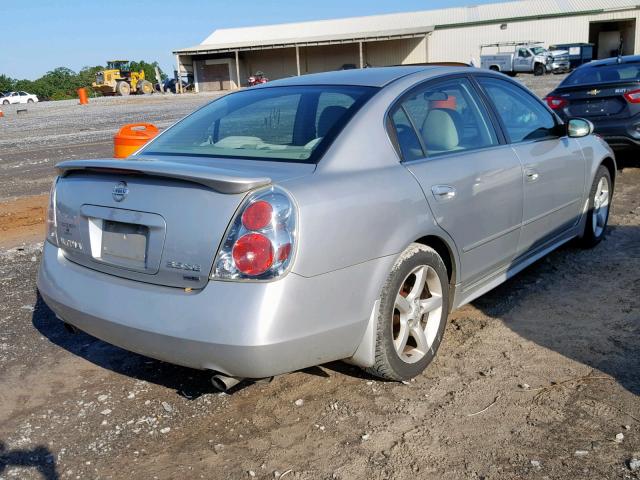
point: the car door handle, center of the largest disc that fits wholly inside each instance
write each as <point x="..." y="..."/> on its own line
<point x="443" y="192"/>
<point x="532" y="175"/>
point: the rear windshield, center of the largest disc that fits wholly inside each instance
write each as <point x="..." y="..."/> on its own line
<point x="294" y="124"/>
<point x="602" y="74"/>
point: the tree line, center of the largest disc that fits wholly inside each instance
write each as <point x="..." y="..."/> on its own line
<point x="61" y="83"/>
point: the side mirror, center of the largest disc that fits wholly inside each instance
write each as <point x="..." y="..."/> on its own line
<point x="579" y="127"/>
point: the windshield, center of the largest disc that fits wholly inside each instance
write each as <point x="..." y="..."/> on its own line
<point x="275" y="123"/>
<point x="629" y="72"/>
<point x="538" y="50"/>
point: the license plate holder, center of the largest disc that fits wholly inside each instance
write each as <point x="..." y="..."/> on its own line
<point x="124" y="244"/>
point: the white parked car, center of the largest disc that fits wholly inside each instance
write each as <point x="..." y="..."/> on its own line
<point x="18" y="97"/>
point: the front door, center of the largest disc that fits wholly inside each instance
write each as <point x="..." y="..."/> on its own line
<point x="472" y="182"/>
<point x="522" y="60"/>
<point x="553" y="164"/>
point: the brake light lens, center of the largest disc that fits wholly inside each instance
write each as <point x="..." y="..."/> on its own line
<point x="52" y="222"/>
<point x="253" y="254"/>
<point x="633" y="96"/>
<point x="556" y="103"/>
<point x="257" y="215"/>
<point x="259" y="243"/>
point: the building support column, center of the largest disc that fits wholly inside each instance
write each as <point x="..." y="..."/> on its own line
<point x="298" y="59"/>
<point x="179" y="75"/>
<point x="361" y="55"/>
<point x="195" y="76"/>
<point x="426" y="47"/>
<point x="238" y="84"/>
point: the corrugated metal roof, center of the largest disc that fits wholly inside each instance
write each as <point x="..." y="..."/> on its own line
<point x="379" y="25"/>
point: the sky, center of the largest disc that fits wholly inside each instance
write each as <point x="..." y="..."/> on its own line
<point x="40" y="35"/>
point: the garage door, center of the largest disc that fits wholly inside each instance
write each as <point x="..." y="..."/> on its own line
<point x="214" y="77"/>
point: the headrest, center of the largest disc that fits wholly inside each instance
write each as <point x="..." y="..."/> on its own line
<point x="328" y="118"/>
<point x="439" y="130"/>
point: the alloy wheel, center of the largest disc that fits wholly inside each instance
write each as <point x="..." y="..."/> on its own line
<point x="416" y="314"/>
<point x="600" y="207"/>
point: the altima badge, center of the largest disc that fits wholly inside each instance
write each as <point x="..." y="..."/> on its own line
<point x="594" y="92"/>
<point x="120" y="191"/>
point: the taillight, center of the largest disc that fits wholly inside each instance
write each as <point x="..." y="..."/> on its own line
<point x="259" y="243"/>
<point x="633" y="96"/>
<point x="556" y="103"/>
<point x="257" y="215"/>
<point x="52" y="224"/>
<point x="253" y="254"/>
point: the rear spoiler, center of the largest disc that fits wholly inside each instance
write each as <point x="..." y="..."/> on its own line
<point x="218" y="179"/>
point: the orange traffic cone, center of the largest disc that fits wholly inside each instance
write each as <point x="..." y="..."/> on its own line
<point x="1" y="114"/>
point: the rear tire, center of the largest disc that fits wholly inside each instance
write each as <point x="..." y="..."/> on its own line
<point x="538" y="69"/>
<point x="494" y="68"/>
<point x="598" y="212"/>
<point x="123" y="89"/>
<point x="6" y="102"/>
<point x="29" y="100"/>
<point x="412" y="314"/>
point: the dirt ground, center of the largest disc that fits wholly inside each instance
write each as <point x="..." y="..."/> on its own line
<point x="534" y="381"/>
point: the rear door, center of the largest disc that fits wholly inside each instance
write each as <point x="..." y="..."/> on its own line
<point x="554" y="166"/>
<point x="472" y="181"/>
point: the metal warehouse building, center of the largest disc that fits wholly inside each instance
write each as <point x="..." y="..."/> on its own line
<point x="228" y="56"/>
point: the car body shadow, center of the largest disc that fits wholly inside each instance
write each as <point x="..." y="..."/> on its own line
<point x="39" y="458"/>
<point x="578" y="303"/>
<point x="187" y="382"/>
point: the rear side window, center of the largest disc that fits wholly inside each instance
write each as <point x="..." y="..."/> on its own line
<point x="447" y="117"/>
<point x="523" y="116"/>
<point x="293" y="124"/>
<point x="410" y="147"/>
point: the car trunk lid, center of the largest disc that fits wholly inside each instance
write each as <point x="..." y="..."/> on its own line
<point x="597" y="100"/>
<point x="151" y="220"/>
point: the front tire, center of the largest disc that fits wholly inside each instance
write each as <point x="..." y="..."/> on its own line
<point x="30" y="100"/>
<point x="598" y="211"/>
<point x="412" y="314"/>
<point x="145" y="87"/>
<point x="123" y="89"/>
<point x="538" y="70"/>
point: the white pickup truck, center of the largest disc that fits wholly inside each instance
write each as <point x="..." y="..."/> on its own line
<point x="523" y="57"/>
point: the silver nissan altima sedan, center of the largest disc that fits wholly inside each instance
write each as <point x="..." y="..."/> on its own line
<point x="332" y="216"/>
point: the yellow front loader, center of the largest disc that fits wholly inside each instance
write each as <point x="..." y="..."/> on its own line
<point x="118" y="79"/>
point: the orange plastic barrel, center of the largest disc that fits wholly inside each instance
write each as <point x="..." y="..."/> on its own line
<point x="448" y="104"/>
<point x="131" y="137"/>
<point x="82" y="95"/>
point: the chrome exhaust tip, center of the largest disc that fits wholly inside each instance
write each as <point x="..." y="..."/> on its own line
<point x="223" y="383"/>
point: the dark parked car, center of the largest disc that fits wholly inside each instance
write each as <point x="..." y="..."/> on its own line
<point x="606" y="92"/>
<point x="579" y="53"/>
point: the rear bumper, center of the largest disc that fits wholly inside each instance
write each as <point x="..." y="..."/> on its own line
<point x="244" y="329"/>
<point x="619" y="133"/>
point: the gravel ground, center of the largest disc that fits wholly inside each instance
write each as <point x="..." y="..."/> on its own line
<point x="32" y="143"/>
<point x="538" y="379"/>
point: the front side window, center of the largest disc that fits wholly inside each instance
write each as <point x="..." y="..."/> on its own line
<point x="276" y="123"/>
<point x="523" y="116"/>
<point x="448" y="118"/>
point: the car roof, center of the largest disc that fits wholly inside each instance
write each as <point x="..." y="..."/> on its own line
<point x="614" y="61"/>
<point x="371" y="77"/>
